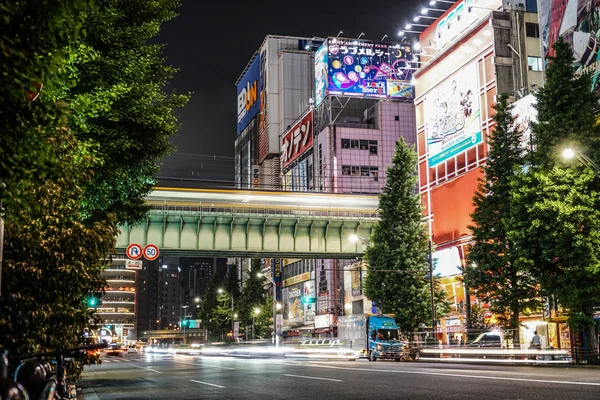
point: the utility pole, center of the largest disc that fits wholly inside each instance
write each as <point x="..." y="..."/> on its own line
<point x="433" y="319"/>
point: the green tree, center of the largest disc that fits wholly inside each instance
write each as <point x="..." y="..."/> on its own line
<point x="496" y="275"/>
<point x="34" y="39"/>
<point x="476" y="319"/>
<point x="52" y="261"/>
<point x="559" y="203"/>
<point x="253" y="293"/>
<point x="120" y="105"/>
<point x="400" y="243"/>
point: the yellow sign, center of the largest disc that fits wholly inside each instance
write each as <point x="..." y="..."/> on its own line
<point x="288" y="261"/>
<point x="296" y="279"/>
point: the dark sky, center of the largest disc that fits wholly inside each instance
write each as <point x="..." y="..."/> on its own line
<point x="212" y="41"/>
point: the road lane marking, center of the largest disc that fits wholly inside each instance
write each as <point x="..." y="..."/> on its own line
<point x="203" y="365"/>
<point x="313" y="377"/>
<point x="209" y="384"/>
<point x="499" y="378"/>
<point x="146" y="368"/>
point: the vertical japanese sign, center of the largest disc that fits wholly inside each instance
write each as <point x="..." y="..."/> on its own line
<point x="297" y="140"/>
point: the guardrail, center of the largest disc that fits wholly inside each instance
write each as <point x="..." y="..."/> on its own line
<point x="265" y="211"/>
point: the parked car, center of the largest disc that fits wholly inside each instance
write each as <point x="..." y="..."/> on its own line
<point x="487" y="339"/>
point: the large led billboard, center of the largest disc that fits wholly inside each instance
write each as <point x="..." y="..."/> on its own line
<point x="452" y="115"/>
<point x="578" y="23"/>
<point x="248" y="102"/>
<point x="359" y="68"/>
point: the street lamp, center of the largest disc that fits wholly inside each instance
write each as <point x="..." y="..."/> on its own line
<point x="184" y="321"/>
<point x="276" y="305"/>
<point x="233" y="316"/>
<point x="254" y="314"/>
<point x="570" y="153"/>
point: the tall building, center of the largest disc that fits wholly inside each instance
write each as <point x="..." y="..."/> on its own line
<point x="147" y="296"/>
<point x="118" y="309"/>
<point x="272" y="91"/>
<point x="196" y="272"/>
<point x="474" y="51"/>
<point x="170" y="291"/>
<point x="343" y="143"/>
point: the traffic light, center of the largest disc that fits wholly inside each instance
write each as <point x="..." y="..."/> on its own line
<point x="94" y="300"/>
<point x="309" y="300"/>
<point x="185" y="323"/>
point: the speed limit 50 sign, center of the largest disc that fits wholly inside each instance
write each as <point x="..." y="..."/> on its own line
<point x="151" y="252"/>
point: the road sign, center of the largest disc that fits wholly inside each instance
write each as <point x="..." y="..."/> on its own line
<point x="151" y="252"/>
<point x="134" y="251"/>
<point x="133" y="264"/>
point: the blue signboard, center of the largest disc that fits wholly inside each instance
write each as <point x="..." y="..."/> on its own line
<point x="248" y="102"/>
<point x="365" y="69"/>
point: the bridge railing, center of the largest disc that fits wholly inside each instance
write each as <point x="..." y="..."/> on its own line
<point x="264" y="211"/>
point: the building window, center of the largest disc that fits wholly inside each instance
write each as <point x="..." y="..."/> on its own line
<point x="345" y="143"/>
<point x="354" y="144"/>
<point x="346" y="170"/>
<point x="364" y="145"/>
<point x="355" y="170"/>
<point x="374" y="173"/>
<point x="364" y="171"/>
<point x="534" y="63"/>
<point x="373" y="147"/>
<point x="532" y="29"/>
<point x="396" y="118"/>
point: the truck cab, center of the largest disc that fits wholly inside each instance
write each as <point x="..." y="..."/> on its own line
<point x="384" y="338"/>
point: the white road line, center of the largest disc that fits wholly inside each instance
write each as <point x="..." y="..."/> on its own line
<point x="146" y="368"/>
<point x="202" y="365"/>
<point x="313" y="377"/>
<point x="209" y="384"/>
<point x="499" y="378"/>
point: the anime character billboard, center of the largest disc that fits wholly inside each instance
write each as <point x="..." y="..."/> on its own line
<point x="452" y="113"/>
<point x="349" y="67"/>
<point x="578" y="22"/>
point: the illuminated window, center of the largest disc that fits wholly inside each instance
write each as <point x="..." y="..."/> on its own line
<point x="534" y="63"/>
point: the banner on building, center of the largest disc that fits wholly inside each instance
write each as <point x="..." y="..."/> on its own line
<point x="452" y="114"/>
<point x="296" y="279"/>
<point x="297" y="140"/>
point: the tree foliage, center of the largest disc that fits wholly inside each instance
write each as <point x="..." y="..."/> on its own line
<point x="558" y="202"/>
<point x="79" y="158"/>
<point x="496" y="274"/>
<point x="119" y="103"/>
<point x="51" y="259"/>
<point x="253" y="293"/>
<point x="400" y="243"/>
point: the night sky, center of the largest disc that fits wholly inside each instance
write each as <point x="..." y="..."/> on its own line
<point x="211" y="43"/>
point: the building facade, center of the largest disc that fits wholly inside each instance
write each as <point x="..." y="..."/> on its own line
<point x="471" y="53"/>
<point x="272" y="91"/>
<point x="170" y="292"/>
<point x="118" y="309"/>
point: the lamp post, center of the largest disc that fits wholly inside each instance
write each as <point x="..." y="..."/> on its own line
<point x="183" y="321"/>
<point x="570" y="153"/>
<point x="254" y="314"/>
<point x="276" y="305"/>
<point x="232" y="314"/>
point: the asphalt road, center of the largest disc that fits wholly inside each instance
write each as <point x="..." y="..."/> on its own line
<point x="141" y="376"/>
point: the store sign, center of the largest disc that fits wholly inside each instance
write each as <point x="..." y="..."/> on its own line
<point x="296" y="279"/>
<point x="248" y="103"/>
<point x="297" y="140"/>
<point x="323" y="321"/>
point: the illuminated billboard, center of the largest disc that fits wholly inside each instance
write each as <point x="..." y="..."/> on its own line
<point x="248" y="102"/>
<point x="297" y="140"/>
<point x="525" y="113"/>
<point x="578" y="23"/>
<point x="452" y="114"/>
<point x="349" y="67"/>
